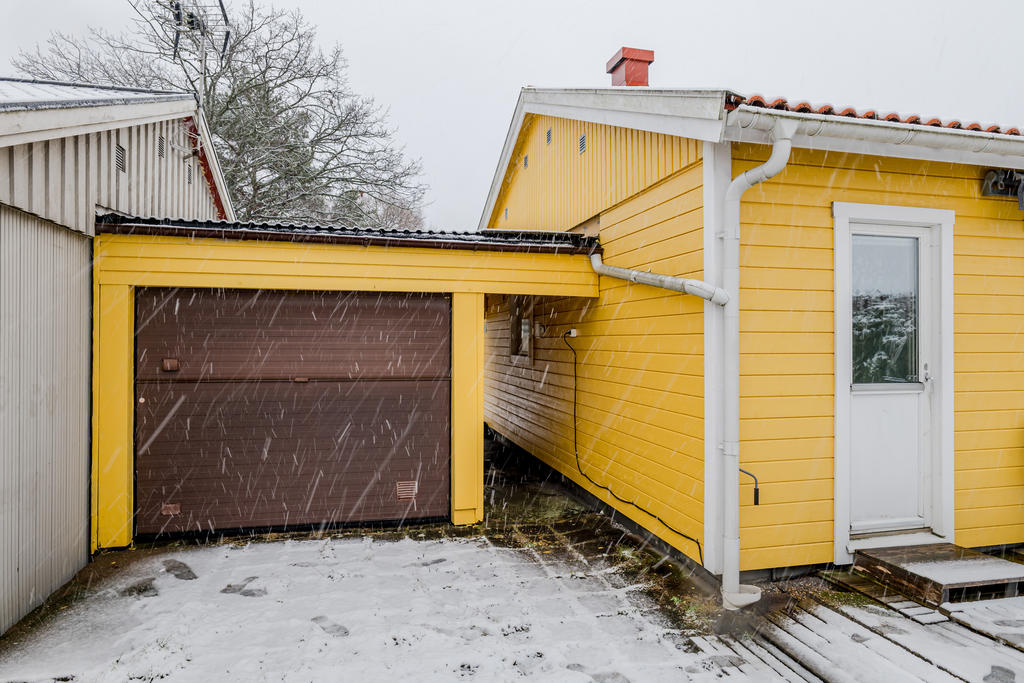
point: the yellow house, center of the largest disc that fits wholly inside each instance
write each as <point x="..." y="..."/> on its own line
<point x="854" y="342"/>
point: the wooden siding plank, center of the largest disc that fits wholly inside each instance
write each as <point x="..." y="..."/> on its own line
<point x="562" y="188"/>
<point x="787" y="238"/>
<point x="640" y="359"/>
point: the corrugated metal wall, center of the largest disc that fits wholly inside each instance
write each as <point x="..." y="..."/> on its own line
<point x="65" y="179"/>
<point x="45" y="294"/>
<point x="45" y="336"/>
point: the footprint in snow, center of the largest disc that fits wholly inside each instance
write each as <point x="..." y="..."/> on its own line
<point x="329" y="627"/>
<point x="179" y="570"/>
<point x="141" y="589"/>
<point x="241" y="589"/>
<point x="1000" y="674"/>
<point x="1010" y="623"/>
<point x="601" y="677"/>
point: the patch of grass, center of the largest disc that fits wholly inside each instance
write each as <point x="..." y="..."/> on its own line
<point x="847" y="598"/>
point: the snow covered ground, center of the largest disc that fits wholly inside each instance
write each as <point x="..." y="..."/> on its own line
<point x="364" y="610"/>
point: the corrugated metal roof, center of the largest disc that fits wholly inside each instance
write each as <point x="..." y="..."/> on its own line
<point x="19" y="94"/>
<point x="487" y="240"/>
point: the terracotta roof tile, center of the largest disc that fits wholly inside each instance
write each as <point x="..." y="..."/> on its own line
<point x="804" y="107"/>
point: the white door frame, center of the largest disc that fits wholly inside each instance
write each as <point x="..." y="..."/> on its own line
<point x="942" y="467"/>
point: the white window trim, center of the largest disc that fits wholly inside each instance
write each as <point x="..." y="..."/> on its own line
<point x="717" y="174"/>
<point x="942" y="491"/>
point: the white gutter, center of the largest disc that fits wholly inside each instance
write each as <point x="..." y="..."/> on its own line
<point x="821" y="131"/>
<point x="704" y="290"/>
<point x="735" y="595"/>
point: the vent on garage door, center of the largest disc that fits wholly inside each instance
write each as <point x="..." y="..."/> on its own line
<point x="407" y="490"/>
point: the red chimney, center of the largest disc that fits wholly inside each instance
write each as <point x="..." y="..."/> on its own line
<point x="629" y="66"/>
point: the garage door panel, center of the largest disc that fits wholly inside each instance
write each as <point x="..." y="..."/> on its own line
<point x="230" y="440"/>
<point x="218" y="334"/>
<point x="233" y="455"/>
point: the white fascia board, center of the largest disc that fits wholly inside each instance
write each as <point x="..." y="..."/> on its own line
<point x="20" y="127"/>
<point x="880" y="138"/>
<point x="697" y="114"/>
<point x="214" y="162"/>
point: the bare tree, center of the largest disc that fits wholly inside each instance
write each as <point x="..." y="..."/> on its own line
<point x="294" y="141"/>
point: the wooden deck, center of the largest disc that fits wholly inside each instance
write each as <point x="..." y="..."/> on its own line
<point x="941" y="573"/>
<point x="881" y="639"/>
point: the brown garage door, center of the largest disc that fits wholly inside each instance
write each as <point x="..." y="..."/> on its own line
<point x="267" y="409"/>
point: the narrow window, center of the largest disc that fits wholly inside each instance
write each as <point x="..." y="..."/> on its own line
<point x="521" y="326"/>
<point x="161" y="150"/>
<point x="188" y="172"/>
<point x="506" y="213"/>
<point x="583" y="143"/>
<point x="120" y="163"/>
<point x="526" y="161"/>
<point x="549" y="136"/>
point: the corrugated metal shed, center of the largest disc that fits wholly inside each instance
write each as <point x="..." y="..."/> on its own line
<point x="65" y="147"/>
<point x="45" y="293"/>
<point x="66" y="150"/>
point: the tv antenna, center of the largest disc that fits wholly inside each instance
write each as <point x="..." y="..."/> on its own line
<point x="205" y="25"/>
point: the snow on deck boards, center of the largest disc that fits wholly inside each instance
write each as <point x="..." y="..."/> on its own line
<point x="968" y="571"/>
<point x="366" y="610"/>
<point x="872" y="643"/>
<point x="940" y="572"/>
<point x="1001" y="619"/>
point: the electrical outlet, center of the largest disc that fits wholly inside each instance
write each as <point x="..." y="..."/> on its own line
<point x="573" y="332"/>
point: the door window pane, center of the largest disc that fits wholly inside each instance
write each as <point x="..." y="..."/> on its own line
<point x="885" y="309"/>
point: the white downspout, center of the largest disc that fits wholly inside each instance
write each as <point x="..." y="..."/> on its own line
<point x="735" y="595"/>
<point x="704" y="290"/>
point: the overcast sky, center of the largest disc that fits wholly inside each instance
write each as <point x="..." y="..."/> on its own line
<point x="450" y="71"/>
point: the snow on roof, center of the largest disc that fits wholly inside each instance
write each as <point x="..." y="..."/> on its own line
<point x="20" y="94"/>
<point x="488" y="240"/>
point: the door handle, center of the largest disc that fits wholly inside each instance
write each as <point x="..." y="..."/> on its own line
<point x="927" y="374"/>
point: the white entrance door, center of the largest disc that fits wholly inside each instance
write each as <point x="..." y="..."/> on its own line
<point x="891" y="342"/>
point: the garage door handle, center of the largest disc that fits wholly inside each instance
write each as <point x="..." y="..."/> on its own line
<point x="300" y="379"/>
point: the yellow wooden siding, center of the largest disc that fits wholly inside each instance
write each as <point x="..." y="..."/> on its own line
<point x="183" y="262"/>
<point x="787" y="364"/>
<point x="560" y="187"/>
<point x="641" y="368"/>
<point x="123" y="262"/>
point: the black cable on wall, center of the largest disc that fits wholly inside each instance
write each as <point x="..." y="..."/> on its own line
<point x="576" y="452"/>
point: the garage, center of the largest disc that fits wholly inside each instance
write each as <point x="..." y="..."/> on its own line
<point x="263" y="408"/>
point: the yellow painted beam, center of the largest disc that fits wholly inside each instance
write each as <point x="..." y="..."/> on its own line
<point x="113" y="403"/>
<point x="157" y="261"/>
<point x="467" y="408"/>
<point x="123" y="262"/>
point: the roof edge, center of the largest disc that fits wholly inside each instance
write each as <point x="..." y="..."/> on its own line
<point x="490" y="240"/>
<point x="879" y="137"/>
<point x="95" y="86"/>
<point x="20" y="126"/>
<point x="697" y="113"/>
